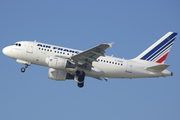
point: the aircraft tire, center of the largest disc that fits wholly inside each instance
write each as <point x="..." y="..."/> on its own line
<point x="80" y="85"/>
<point x="23" y="70"/>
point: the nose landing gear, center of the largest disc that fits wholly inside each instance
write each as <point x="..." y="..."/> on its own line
<point x="24" y="69"/>
<point x="25" y="62"/>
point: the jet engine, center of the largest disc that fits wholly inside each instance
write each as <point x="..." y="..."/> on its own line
<point x="59" y="63"/>
<point x="59" y="75"/>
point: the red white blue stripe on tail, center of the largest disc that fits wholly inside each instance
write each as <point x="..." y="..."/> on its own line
<point x="159" y="50"/>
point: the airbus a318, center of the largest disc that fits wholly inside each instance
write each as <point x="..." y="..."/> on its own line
<point x="66" y="63"/>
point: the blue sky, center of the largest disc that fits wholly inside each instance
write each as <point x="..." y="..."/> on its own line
<point x="132" y="25"/>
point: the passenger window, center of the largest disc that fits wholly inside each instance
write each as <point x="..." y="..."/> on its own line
<point x="19" y="44"/>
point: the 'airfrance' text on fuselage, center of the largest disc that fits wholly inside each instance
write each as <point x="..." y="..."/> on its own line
<point x="67" y="50"/>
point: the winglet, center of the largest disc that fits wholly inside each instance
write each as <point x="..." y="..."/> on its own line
<point x="110" y="44"/>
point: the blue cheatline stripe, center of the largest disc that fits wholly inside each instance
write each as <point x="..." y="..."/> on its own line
<point x="162" y="52"/>
<point x="161" y="49"/>
<point x="158" y="46"/>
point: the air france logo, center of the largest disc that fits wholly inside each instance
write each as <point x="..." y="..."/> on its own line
<point x="56" y="48"/>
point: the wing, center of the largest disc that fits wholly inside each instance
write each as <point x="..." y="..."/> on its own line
<point x="90" y="55"/>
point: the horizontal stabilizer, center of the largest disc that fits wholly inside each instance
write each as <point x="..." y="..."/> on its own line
<point x="157" y="68"/>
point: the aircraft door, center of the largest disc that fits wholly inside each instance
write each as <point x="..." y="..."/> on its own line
<point x="129" y="67"/>
<point x="30" y="47"/>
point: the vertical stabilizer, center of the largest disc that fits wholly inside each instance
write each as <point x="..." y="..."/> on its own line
<point x="159" y="50"/>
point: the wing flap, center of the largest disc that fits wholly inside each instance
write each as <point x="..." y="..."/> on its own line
<point x="157" y="68"/>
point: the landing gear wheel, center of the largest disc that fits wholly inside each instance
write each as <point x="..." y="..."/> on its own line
<point x="80" y="85"/>
<point x="23" y="70"/>
<point x="79" y="78"/>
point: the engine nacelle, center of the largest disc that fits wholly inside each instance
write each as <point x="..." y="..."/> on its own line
<point x="59" y="63"/>
<point x="59" y="75"/>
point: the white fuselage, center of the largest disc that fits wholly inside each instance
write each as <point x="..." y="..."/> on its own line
<point x="105" y="67"/>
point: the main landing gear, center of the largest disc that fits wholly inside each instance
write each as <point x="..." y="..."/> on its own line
<point x="24" y="69"/>
<point x="79" y="78"/>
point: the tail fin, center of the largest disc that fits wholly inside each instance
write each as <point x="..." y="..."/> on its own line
<point x="159" y="50"/>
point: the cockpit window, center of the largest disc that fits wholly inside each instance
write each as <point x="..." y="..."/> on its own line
<point x="17" y="44"/>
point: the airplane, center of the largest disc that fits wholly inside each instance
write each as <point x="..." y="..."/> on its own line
<point x="66" y="63"/>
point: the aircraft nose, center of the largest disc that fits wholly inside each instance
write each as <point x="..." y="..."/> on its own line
<point x="5" y="50"/>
